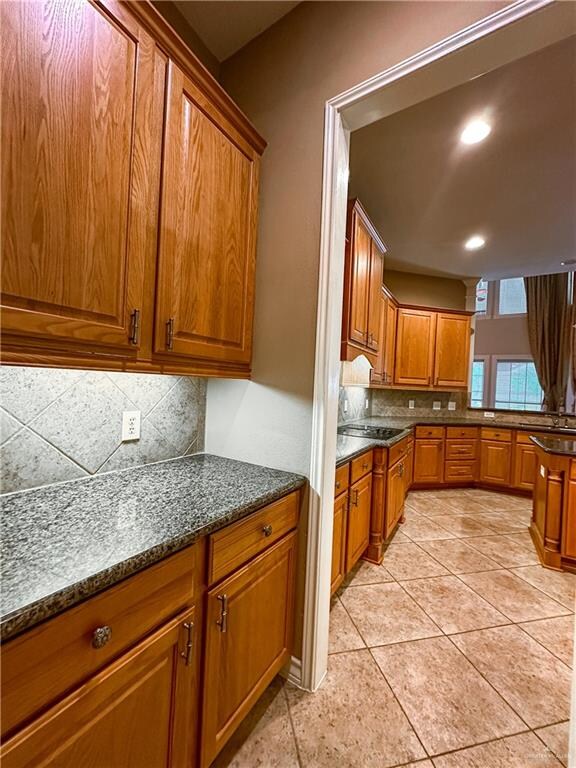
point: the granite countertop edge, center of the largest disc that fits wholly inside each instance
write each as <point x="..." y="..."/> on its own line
<point x="556" y="446"/>
<point x="30" y="614"/>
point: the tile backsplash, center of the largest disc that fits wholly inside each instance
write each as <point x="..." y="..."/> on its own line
<point x="63" y="424"/>
<point x="352" y="404"/>
<point x="390" y="402"/>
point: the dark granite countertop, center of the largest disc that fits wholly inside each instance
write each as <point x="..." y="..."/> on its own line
<point x="65" y="542"/>
<point x="561" y="446"/>
<point x="348" y="447"/>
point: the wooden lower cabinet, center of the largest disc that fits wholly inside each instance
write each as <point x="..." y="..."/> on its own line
<point x="135" y="713"/>
<point x="339" y="542"/>
<point x="429" y="461"/>
<point x="249" y="629"/>
<point x="569" y="531"/>
<point x="495" y="462"/>
<point x="524" y="467"/>
<point x="359" y="509"/>
<point x="395" y="495"/>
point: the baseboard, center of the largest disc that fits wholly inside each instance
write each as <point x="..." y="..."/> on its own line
<point x="293" y="672"/>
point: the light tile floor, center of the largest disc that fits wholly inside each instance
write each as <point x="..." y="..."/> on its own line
<point x="455" y="653"/>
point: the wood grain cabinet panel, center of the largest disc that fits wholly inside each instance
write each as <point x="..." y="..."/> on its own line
<point x="429" y="461"/>
<point x="339" y="542"/>
<point x="136" y="712"/>
<point x="82" y="101"/>
<point x="569" y="532"/>
<point x="359" y="508"/>
<point x="361" y="252"/>
<point x="415" y="337"/>
<point x="495" y="462"/>
<point x="525" y="465"/>
<point x="389" y="342"/>
<point x="373" y="326"/>
<point x="207" y="232"/>
<point x="395" y="495"/>
<point x="452" y="350"/>
<point x="249" y="628"/>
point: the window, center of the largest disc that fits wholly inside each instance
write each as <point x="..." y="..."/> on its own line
<point x="481" y="297"/>
<point x="477" y="387"/>
<point x="512" y="297"/>
<point x="517" y="386"/>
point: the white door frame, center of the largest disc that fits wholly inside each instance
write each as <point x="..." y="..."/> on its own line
<point x="310" y="672"/>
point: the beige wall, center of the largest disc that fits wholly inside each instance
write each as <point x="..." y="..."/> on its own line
<point x="192" y="40"/>
<point x="409" y="288"/>
<point x="502" y="336"/>
<point x="282" y="80"/>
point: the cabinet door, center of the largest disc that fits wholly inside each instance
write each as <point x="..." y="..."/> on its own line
<point x="525" y="465"/>
<point x="409" y="468"/>
<point x="82" y="102"/>
<point x="569" y="527"/>
<point x="339" y="542"/>
<point x="415" y="347"/>
<point x="208" y="215"/>
<point x="429" y="461"/>
<point x="452" y="350"/>
<point x="395" y="495"/>
<point x="359" y="508"/>
<point x="374" y="299"/>
<point x="390" y="342"/>
<point x="136" y="712"/>
<point x="377" y="375"/>
<point x="249" y="628"/>
<point x="495" y="461"/>
<point x="360" y="257"/>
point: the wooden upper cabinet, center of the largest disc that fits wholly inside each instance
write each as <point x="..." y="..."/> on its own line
<point x="452" y="350"/>
<point x="363" y="273"/>
<point x="373" y="325"/>
<point x="207" y="231"/>
<point x="389" y="342"/>
<point x="82" y="101"/>
<point x="415" y="338"/>
<point x="360" y="293"/>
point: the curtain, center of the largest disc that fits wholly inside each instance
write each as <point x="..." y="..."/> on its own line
<point x="550" y="319"/>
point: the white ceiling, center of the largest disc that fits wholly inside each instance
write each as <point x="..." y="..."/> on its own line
<point x="225" y="26"/>
<point x="427" y="193"/>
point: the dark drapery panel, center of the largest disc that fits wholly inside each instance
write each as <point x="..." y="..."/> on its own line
<point x="550" y="317"/>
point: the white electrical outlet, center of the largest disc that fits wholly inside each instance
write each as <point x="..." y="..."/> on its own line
<point x="411" y="404"/>
<point x="436" y="405"/>
<point x="130" y="425"/>
<point x="367" y="405"/>
<point x="451" y="405"/>
<point x="345" y="406"/>
<point x="488" y="415"/>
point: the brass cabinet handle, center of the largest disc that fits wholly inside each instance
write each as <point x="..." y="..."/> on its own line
<point x="170" y="333"/>
<point x="337" y="484"/>
<point x="365" y="465"/>
<point x="355" y="499"/>
<point x="134" y="337"/>
<point x="267" y="530"/>
<point x="187" y="652"/>
<point x="223" y="620"/>
<point x="400" y="470"/>
<point x="101" y="636"/>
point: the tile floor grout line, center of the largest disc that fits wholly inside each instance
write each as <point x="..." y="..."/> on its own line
<point x="549" y="748"/>
<point x="519" y="625"/>
<point x="293" y="729"/>
<point x="397" y="700"/>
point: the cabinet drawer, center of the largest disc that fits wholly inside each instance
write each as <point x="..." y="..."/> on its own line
<point x="461" y="449"/>
<point x="456" y="471"/>
<point x="233" y="546"/>
<point x="502" y="435"/>
<point x="429" y="431"/>
<point x="524" y="437"/>
<point x="468" y="433"/>
<point x="398" y="450"/>
<point x="361" y="466"/>
<point x="41" y="665"/>
<point x="342" y="479"/>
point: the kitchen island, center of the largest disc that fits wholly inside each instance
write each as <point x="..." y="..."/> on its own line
<point x="553" y="526"/>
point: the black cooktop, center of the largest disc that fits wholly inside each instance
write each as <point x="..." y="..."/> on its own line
<point x="365" y="430"/>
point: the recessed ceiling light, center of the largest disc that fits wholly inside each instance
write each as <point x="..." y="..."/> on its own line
<point x="474" y="242"/>
<point x="568" y="262"/>
<point x="475" y="131"/>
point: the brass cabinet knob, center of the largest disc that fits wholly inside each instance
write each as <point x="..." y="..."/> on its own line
<point x="337" y="485"/>
<point x="365" y="465"/>
<point x="101" y="636"/>
<point x="267" y="530"/>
